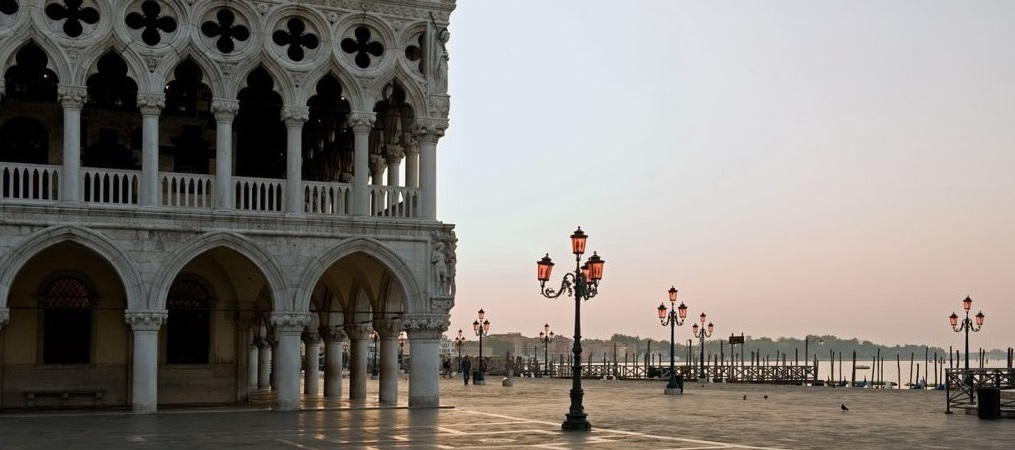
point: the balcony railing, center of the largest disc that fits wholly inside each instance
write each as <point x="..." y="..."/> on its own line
<point x="29" y="182"/>
<point x="35" y="183"/>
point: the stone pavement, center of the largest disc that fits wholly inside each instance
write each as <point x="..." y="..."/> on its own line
<point x="624" y="415"/>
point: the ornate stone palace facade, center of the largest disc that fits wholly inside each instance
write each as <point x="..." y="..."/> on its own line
<point x="191" y="192"/>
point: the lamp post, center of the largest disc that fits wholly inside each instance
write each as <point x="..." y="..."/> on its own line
<point x="674" y="319"/>
<point x="967" y="326"/>
<point x="401" y="351"/>
<point x="459" y="342"/>
<point x="481" y="327"/>
<point x="702" y="332"/>
<point x="546" y="335"/>
<point x="374" y="337"/>
<point x="582" y="284"/>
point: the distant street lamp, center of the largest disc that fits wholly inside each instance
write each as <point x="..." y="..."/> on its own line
<point x="674" y="318"/>
<point x="459" y="342"/>
<point x="401" y="350"/>
<point x="482" y="328"/>
<point x="374" y="337"/>
<point x="546" y="335"/>
<point x="701" y="333"/>
<point x="967" y="326"/>
<point x="582" y="284"/>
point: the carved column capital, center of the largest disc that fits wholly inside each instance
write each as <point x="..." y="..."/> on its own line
<point x="225" y="109"/>
<point x="151" y="104"/>
<point x="409" y="143"/>
<point x="358" y="331"/>
<point x="310" y="337"/>
<point x="426" y="326"/>
<point x="295" y="116"/>
<point x="388" y="328"/>
<point x="377" y="164"/>
<point x="289" y="321"/>
<point x="361" y="122"/>
<point x="146" y="320"/>
<point x="331" y="335"/>
<point x="72" y="97"/>
<point x="429" y="129"/>
<point x="393" y="153"/>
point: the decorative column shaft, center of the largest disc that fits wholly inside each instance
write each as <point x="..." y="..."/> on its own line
<point x="288" y="328"/>
<point x="424" y="337"/>
<point x="264" y="364"/>
<point x="294" y="117"/>
<point x="72" y="98"/>
<point x="225" y="113"/>
<point x="333" y="337"/>
<point x="411" y="160"/>
<point x="361" y="124"/>
<point x="428" y="131"/>
<point x="253" y="363"/>
<point x="388" y="329"/>
<point x="393" y="158"/>
<point x="311" y="359"/>
<point x="358" y="340"/>
<point x="144" y="385"/>
<point x="150" y="106"/>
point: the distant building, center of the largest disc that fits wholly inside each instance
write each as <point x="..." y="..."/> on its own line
<point x="190" y="189"/>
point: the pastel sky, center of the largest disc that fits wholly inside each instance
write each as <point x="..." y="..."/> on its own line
<point x="792" y="167"/>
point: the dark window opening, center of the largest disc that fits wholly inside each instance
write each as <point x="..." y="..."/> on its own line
<point x="30" y="78"/>
<point x="260" y="133"/>
<point x="111" y="88"/>
<point x="67" y="322"/>
<point x="24" y="140"/>
<point x="189" y="323"/>
<point x="327" y="141"/>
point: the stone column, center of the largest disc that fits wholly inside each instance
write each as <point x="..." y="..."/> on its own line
<point x="359" y="335"/>
<point x="253" y="368"/>
<point x="72" y="98"/>
<point x="361" y="124"/>
<point x="393" y="157"/>
<point x="333" y="338"/>
<point x="377" y="166"/>
<point x="311" y="372"/>
<point x="144" y="385"/>
<point x="263" y="364"/>
<point x="225" y="111"/>
<point x="294" y="118"/>
<point x="150" y="106"/>
<point x="388" y="329"/>
<point x="288" y="328"/>
<point x="428" y="131"/>
<point x="424" y="337"/>
<point x="411" y="146"/>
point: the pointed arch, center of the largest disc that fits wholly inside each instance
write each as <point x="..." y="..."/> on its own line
<point x="88" y="64"/>
<point x="413" y="93"/>
<point x="14" y="260"/>
<point x="350" y="89"/>
<point x="401" y="272"/>
<point x="232" y="241"/>
<point x="56" y="58"/>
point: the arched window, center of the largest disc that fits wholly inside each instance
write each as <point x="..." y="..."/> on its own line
<point x="188" y="326"/>
<point x="67" y="321"/>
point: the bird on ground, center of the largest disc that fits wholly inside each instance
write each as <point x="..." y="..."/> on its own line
<point x="766" y="396"/>
<point x="844" y="408"/>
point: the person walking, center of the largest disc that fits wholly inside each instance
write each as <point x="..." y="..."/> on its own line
<point x="466" y="369"/>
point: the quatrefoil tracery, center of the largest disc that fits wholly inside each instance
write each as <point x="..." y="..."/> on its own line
<point x="8" y="7"/>
<point x="71" y="12"/>
<point x="415" y="53"/>
<point x="226" y="30"/>
<point x="362" y="47"/>
<point x="295" y="38"/>
<point x="151" y="20"/>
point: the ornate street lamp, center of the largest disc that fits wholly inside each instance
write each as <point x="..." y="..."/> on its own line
<point x="374" y="337"/>
<point x="459" y="342"/>
<point x="401" y="350"/>
<point x="546" y="336"/>
<point x="967" y="326"/>
<point x="674" y="318"/>
<point x="701" y="333"/>
<point x="582" y="284"/>
<point x="481" y="327"/>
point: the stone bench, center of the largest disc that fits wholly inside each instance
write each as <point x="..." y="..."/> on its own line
<point x="64" y="395"/>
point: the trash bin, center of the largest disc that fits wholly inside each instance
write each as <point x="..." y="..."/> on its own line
<point x="988" y="403"/>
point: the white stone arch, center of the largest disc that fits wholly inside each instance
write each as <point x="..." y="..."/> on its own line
<point x="413" y="94"/>
<point x="277" y="73"/>
<point x="14" y="260"/>
<point x="57" y="61"/>
<point x="209" y="71"/>
<point x="415" y="300"/>
<point x="88" y="65"/>
<point x="350" y="89"/>
<point x="232" y="241"/>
